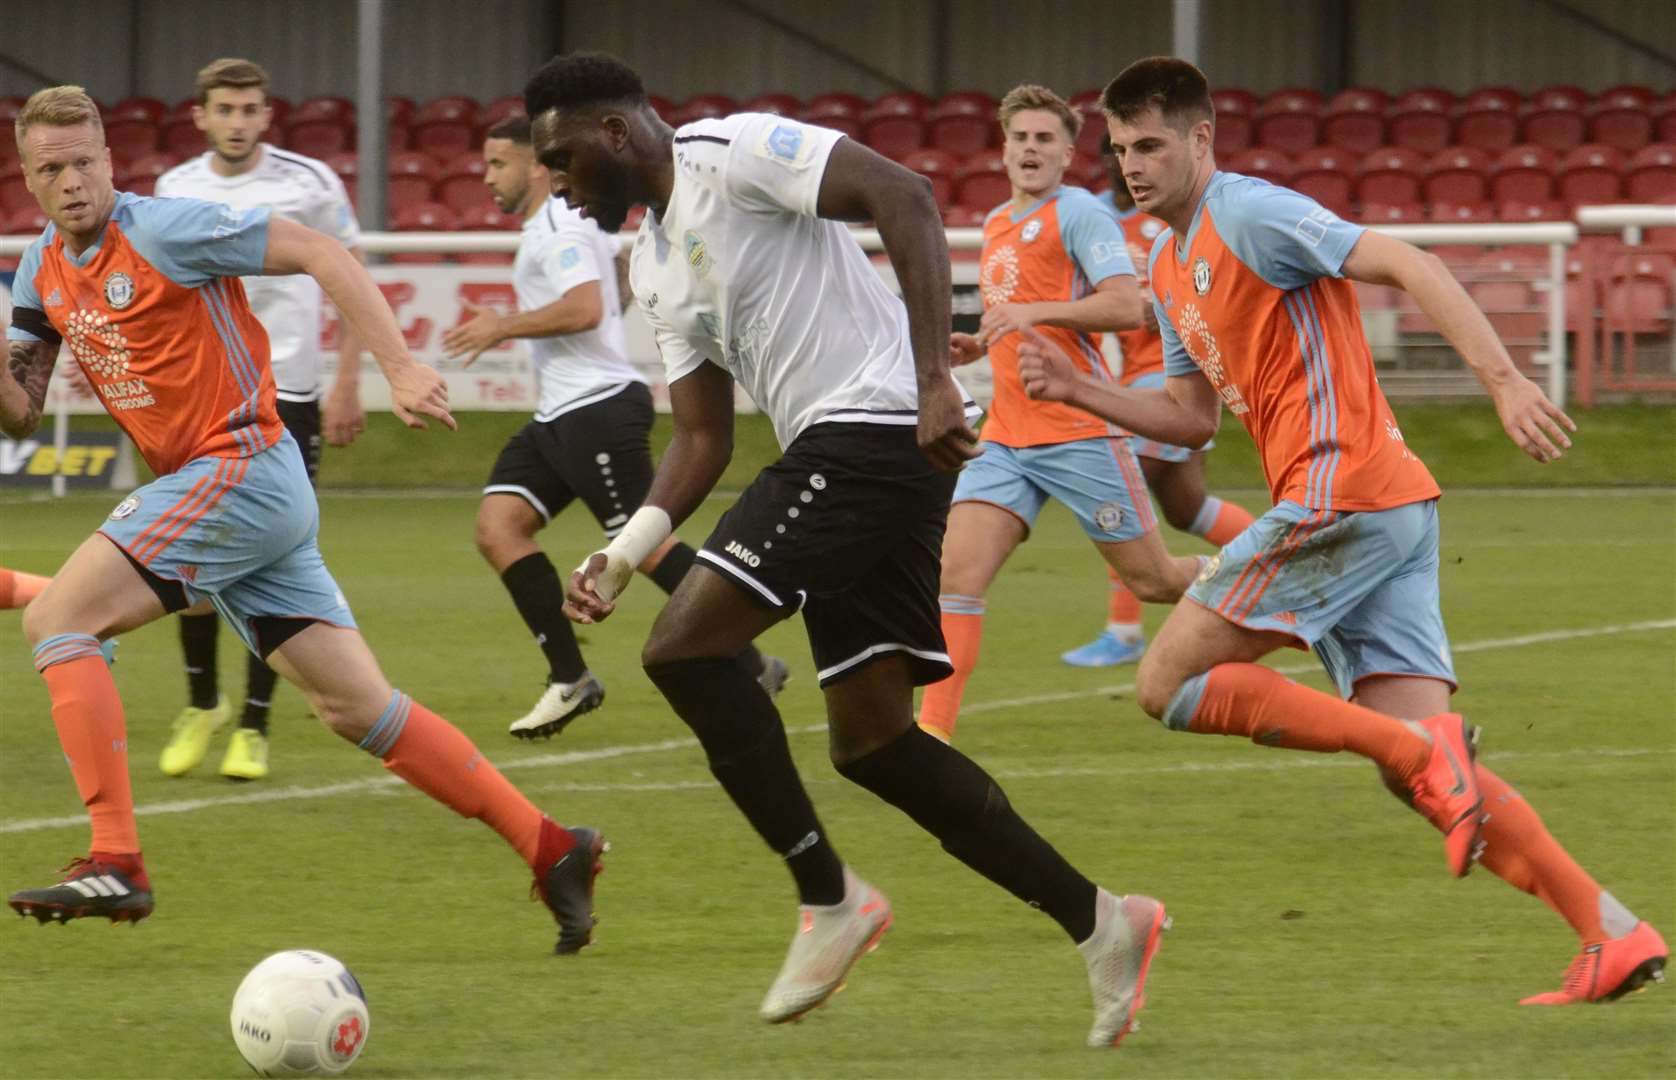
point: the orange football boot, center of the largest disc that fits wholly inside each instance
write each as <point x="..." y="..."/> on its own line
<point x="1608" y="971"/>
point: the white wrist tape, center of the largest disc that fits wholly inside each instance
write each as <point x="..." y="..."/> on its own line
<point x="645" y="533"/>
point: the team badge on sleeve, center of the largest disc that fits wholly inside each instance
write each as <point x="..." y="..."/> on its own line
<point x="119" y="290"/>
<point x="786" y="144"/>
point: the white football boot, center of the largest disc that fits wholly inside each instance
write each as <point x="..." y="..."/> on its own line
<point x="829" y="941"/>
<point x="1126" y="935"/>
<point x="559" y="705"/>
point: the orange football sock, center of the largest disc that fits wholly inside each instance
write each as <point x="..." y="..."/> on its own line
<point x="18" y="588"/>
<point x="1268" y="708"/>
<point x="1125" y="608"/>
<point x="963" y="632"/>
<point x="1222" y="521"/>
<point x="437" y="758"/>
<point x="91" y="729"/>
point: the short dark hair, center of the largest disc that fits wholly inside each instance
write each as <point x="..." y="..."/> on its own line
<point x="582" y="78"/>
<point x="1105" y="144"/>
<point x="515" y="128"/>
<point x="1177" y="89"/>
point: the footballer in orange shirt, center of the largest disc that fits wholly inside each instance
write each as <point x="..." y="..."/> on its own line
<point x="1252" y="287"/>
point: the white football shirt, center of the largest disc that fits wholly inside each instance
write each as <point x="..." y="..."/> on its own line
<point x="739" y="271"/>
<point x="560" y="250"/>
<point x="298" y="189"/>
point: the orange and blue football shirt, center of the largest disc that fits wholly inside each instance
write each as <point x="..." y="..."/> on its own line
<point x="156" y="316"/>
<point x="1057" y="250"/>
<point x="1254" y="297"/>
<point x="1143" y="348"/>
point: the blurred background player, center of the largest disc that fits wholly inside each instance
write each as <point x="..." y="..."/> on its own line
<point x="745" y="271"/>
<point x="1252" y="287"/>
<point x="147" y="294"/>
<point x="1174" y="474"/>
<point x="242" y="171"/>
<point x="18" y="588"/>
<point x="1054" y="258"/>
<point x="593" y="419"/>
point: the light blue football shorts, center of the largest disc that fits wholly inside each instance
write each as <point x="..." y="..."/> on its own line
<point x="240" y="531"/>
<point x="1099" y="479"/>
<point x="1151" y="448"/>
<point x="1358" y="588"/>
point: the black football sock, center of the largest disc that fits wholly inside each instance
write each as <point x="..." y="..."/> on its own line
<point x="745" y="743"/>
<point x="536" y="592"/>
<point x="258" y="695"/>
<point x="953" y="799"/>
<point x="669" y="572"/>
<point x="197" y="640"/>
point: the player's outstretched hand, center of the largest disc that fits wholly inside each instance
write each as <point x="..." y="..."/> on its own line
<point x="964" y="349"/>
<point x="1045" y="370"/>
<point x="1004" y="319"/>
<point x="417" y="390"/>
<point x="480" y="332"/>
<point x="595" y="586"/>
<point x="341" y="416"/>
<point x="1534" y="423"/>
<point x="945" y="438"/>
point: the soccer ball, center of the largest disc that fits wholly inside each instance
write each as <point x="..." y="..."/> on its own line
<point x="300" y="1013"/>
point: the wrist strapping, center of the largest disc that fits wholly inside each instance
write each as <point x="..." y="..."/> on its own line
<point x="645" y="533"/>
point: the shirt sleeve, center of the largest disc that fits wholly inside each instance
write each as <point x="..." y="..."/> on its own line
<point x="29" y="318"/>
<point x="1093" y="238"/>
<point x="1289" y="239"/>
<point x="334" y="215"/>
<point x="194" y="242"/>
<point x="682" y="355"/>
<point x="569" y="259"/>
<point x="776" y="164"/>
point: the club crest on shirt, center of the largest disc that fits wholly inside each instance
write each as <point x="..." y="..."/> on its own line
<point x="1201" y="275"/>
<point x="1032" y="229"/>
<point x="119" y="290"/>
<point x="698" y="253"/>
<point x="125" y="507"/>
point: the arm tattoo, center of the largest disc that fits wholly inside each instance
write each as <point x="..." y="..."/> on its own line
<point x="31" y="365"/>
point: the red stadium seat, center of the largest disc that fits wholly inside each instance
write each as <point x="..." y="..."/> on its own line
<point x="1640" y="297"/>
<point x="347" y="165"/>
<point x="281" y="109"/>
<point x="1505" y="98"/>
<point x="964" y="217"/>
<point x="1390" y="213"/>
<point x="842" y="112"/>
<point x="422" y="217"/>
<point x="704" y="107"/>
<point x="1533" y="211"/>
<point x="1651" y="175"/>
<point x="446" y="126"/>
<point x="1566" y="96"/>
<point x="129" y="138"/>
<point x="1234" y="101"/>
<point x="1391" y="176"/>
<point x="30" y="220"/>
<point x="1590" y="174"/>
<point x="459" y="184"/>
<point x="1629" y="95"/>
<point x="485" y="215"/>
<point x="1489" y="119"/>
<point x="662" y="106"/>
<point x="324" y="108"/>
<point x="1087" y="173"/>
<point x="412" y="179"/>
<point x="1524" y="174"/>
<point x="14" y="196"/>
<point x="902" y="103"/>
<point x="400" y="110"/>
<point x="892" y="129"/>
<point x="1500" y="283"/>
<point x="1236" y="120"/>
<point x="1327" y="175"/>
<point x="1289" y="121"/>
<point x="1559" y="127"/>
<point x="1355" y="121"/>
<point x="1623" y="123"/>
<point x="981" y="181"/>
<point x="143" y="171"/>
<point x="1462" y="213"/>
<point x="148" y="109"/>
<point x="317" y="138"/>
<point x="1458" y="175"/>
<point x="183" y="137"/>
<point x="1419" y="120"/>
<point x="778" y="104"/>
<point x="962" y="123"/>
<point x="1265" y="164"/>
<point x="940" y="167"/>
<point x="499" y="109"/>
<point x="9" y="108"/>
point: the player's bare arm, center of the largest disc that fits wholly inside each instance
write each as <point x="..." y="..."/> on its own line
<point x="860" y="185"/>
<point x="1185" y="412"/>
<point x="1534" y="423"/>
<point x="415" y="389"/>
<point x="341" y="416"/>
<point x="625" y="292"/>
<point x="1115" y="304"/>
<point x="23" y="387"/>
<point x="582" y="308"/>
<point x="701" y="404"/>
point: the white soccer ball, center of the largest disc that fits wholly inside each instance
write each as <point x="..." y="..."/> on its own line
<point x="300" y="1013"/>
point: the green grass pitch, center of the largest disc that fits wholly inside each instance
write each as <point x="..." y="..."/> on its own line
<point x="1317" y="932"/>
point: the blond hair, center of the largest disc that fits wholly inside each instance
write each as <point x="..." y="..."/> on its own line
<point x="1031" y="96"/>
<point x="230" y="73"/>
<point x="57" y="106"/>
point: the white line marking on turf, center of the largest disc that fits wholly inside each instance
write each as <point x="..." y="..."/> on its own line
<point x="577" y="757"/>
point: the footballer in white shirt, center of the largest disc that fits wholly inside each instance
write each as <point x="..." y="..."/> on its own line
<point x="746" y="272"/>
<point x="242" y="171"/>
<point x="590" y="438"/>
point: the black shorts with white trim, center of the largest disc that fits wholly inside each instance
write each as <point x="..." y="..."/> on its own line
<point x="302" y="420"/>
<point x="848" y="526"/>
<point x="599" y="453"/>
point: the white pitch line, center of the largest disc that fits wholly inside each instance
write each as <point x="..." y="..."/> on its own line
<point x="577" y="757"/>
